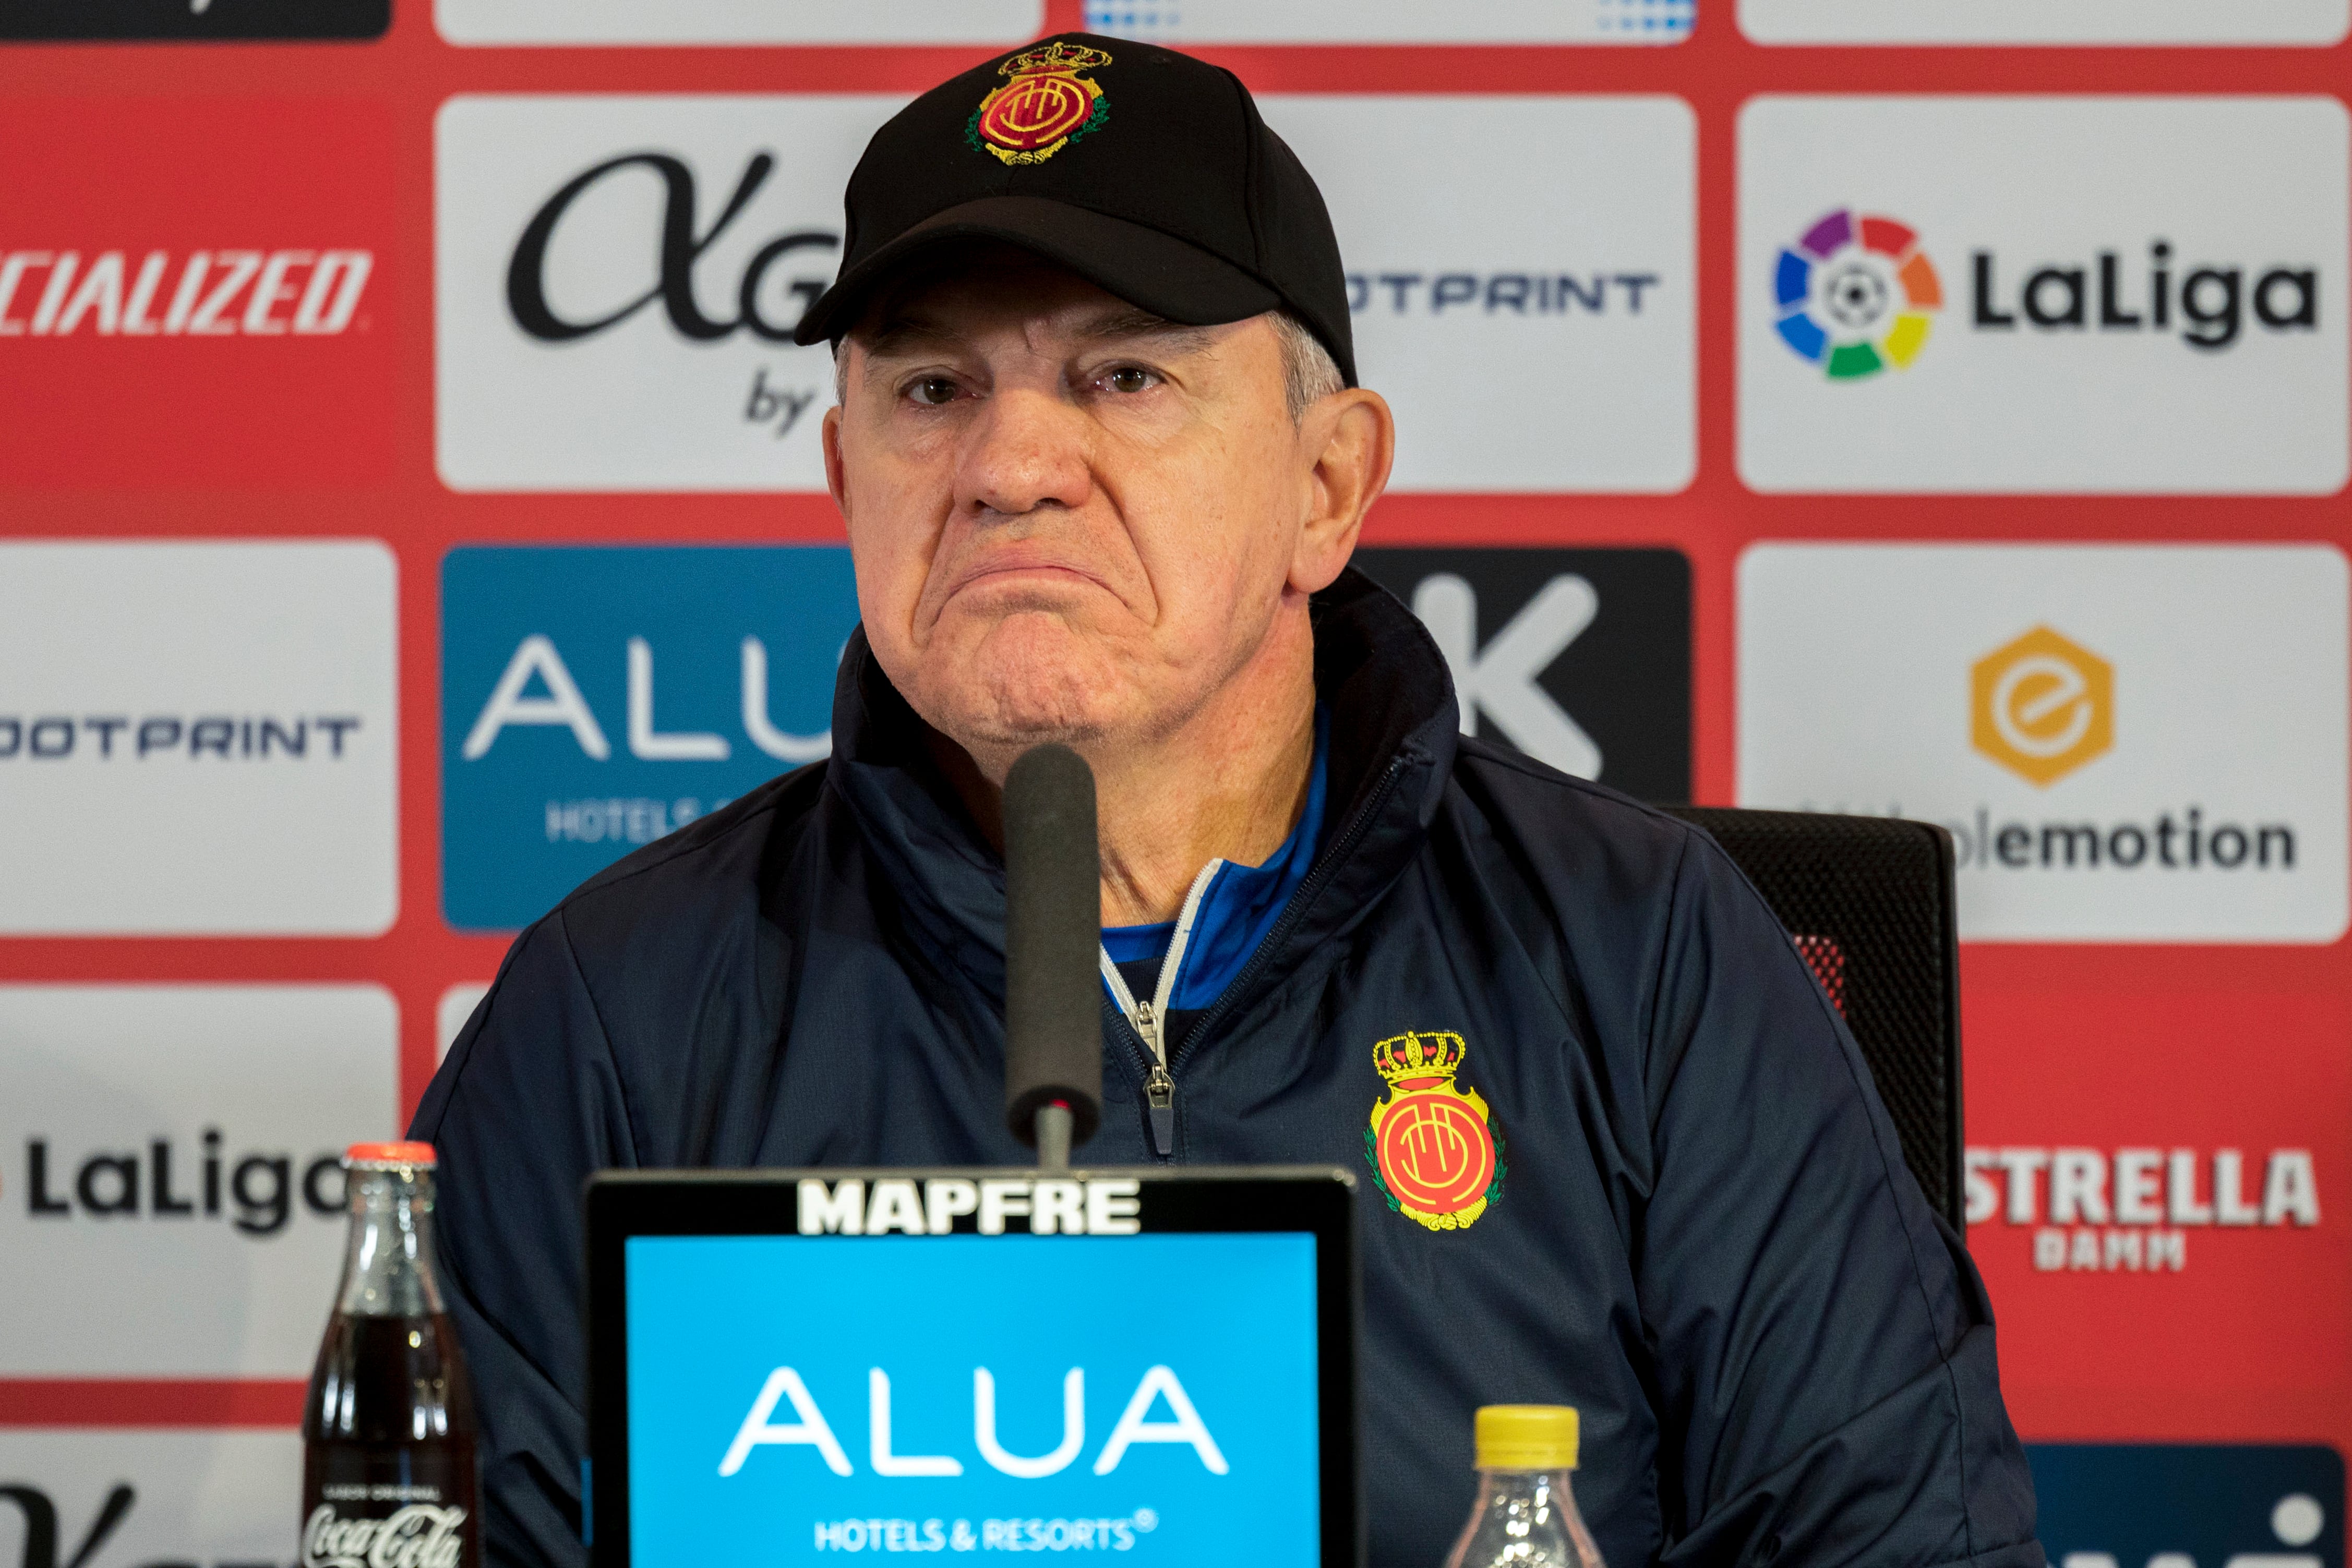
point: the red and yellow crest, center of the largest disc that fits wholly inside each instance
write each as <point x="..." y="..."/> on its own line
<point x="1432" y="1145"/>
<point x="1044" y="107"/>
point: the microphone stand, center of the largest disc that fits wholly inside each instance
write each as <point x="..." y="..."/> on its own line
<point x="1052" y="938"/>
<point x="1055" y="1124"/>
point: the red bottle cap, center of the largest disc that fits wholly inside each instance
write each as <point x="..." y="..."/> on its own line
<point x="419" y="1154"/>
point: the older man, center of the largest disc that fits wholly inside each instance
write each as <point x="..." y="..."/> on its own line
<point x="1102" y="460"/>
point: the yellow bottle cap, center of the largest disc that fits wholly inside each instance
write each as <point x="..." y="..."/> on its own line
<point x="1527" y="1437"/>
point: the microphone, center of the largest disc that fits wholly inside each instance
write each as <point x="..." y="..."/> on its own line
<point x="1053" y="932"/>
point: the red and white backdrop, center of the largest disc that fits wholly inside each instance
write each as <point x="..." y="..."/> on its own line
<point x="410" y="501"/>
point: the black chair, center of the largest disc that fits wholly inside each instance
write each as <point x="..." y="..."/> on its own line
<point x="1868" y="901"/>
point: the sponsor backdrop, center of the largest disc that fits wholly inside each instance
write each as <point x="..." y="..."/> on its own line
<point x="411" y="501"/>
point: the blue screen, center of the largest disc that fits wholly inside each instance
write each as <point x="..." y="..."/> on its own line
<point x="794" y="1399"/>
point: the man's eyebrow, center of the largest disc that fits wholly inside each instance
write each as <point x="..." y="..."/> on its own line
<point x="899" y="334"/>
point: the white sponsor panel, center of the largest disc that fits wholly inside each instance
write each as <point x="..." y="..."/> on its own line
<point x="2053" y="294"/>
<point x="457" y="1007"/>
<point x="188" y="1499"/>
<point x="1542" y="345"/>
<point x="1003" y="22"/>
<point x="2044" y="21"/>
<point x="1395" y="21"/>
<point x="198" y="738"/>
<point x="2130" y="743"/>
<point x="171" y="1197"/>
<point x="618" y="279"/>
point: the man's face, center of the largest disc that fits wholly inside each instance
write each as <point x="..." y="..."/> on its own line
<point x="1070" y="520"/>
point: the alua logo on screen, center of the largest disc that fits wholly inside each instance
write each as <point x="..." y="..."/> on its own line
<point x="1858" y="294"/>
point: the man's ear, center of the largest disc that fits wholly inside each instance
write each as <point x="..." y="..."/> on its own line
<point x="836" y="480"/>
<point x="1350" y="440"/>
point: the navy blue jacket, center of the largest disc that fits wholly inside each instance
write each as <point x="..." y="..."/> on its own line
<point x="1706" y="1240"/>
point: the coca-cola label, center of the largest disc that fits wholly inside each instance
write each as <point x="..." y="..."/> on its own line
<point x="420" y="1535"/>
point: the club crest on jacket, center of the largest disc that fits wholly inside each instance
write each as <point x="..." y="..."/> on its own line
<point x="1431" y="1145"/>
<point x="1043" y="108"/>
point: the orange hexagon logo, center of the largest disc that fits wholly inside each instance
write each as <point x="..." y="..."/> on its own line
<point x="2041" y="706"/>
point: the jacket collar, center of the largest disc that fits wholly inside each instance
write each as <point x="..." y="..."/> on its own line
<point x="1394" y="727"/>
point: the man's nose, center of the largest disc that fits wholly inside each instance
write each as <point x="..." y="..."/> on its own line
<point x="1028" y="449"/>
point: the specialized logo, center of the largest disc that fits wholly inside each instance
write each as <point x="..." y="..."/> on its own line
<point x="201" y="294"/>
<point x="2042" y="706"/>
<point x="1856" y="294"/>
<point x="1043" y="108"/>
<point x="1433" y="1146"/>
<point x="220" y="270"/>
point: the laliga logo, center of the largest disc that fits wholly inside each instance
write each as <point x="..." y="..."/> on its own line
<point x="2042" y="706"/>
<point x="1853" y="295"/>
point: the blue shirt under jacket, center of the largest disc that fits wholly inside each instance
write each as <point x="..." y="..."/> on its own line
<point x="1704" y="1237"/>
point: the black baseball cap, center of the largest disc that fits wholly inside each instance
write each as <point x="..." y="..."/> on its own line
<point x="1145" y="171"/>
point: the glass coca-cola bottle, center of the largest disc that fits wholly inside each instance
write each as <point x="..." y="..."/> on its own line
<point x="388" y="1474"/>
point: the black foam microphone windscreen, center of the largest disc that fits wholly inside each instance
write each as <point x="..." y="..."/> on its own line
<point x="1053" y="931"/>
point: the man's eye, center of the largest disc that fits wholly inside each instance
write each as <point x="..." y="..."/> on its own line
<point x="933" y="391"/>
<point x="1128" y="379"/>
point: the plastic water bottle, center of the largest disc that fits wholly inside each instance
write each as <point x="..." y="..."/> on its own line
<point x="1526" y="1514"/>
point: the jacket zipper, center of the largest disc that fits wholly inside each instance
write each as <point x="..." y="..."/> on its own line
<point x="1149" y="1019"/>
<point x="1159" y="1088"/>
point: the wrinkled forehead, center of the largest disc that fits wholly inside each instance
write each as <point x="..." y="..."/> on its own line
<point x="965" y="295"/>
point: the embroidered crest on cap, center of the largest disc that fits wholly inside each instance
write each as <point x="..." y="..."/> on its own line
<point x="1043" y="108"/>
<point x="1433" y="1148"/>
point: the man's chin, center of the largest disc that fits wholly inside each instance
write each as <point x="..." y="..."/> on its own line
<point x="1001" y="683"/>
<point x="989" y="700"/>
<point x="1023" y="710"/>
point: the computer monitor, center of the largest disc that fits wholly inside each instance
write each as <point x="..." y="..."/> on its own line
<point x="792" y="1366"/>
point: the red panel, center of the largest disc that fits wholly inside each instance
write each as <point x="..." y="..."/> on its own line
<point x="198" y="292"/>
<point x="2219" y="1319"/>
<point x="127" y="1402"/>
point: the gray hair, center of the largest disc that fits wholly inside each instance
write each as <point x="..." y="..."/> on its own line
<point x="1309" y="371"/>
